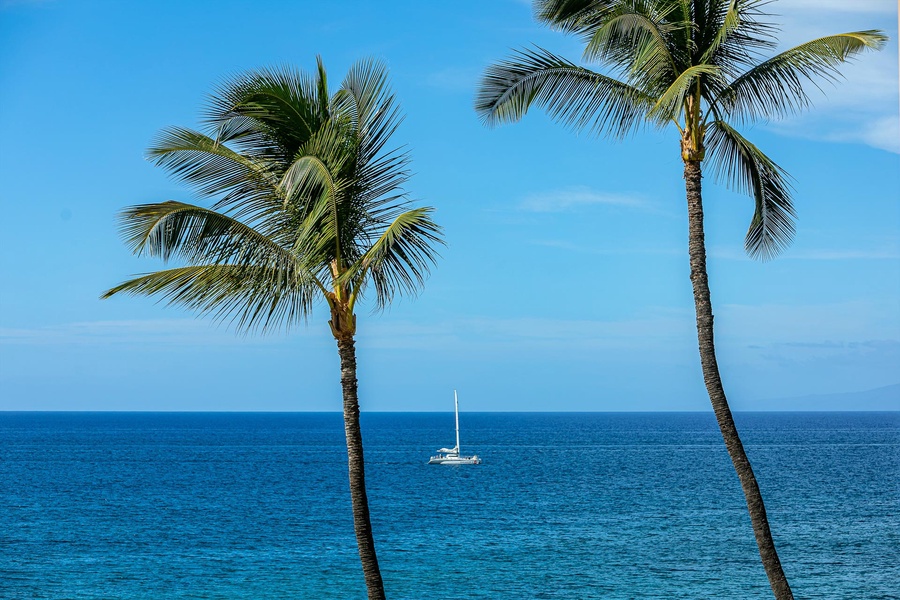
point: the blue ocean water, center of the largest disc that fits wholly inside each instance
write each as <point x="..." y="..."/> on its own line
<point x="565" y="506"/>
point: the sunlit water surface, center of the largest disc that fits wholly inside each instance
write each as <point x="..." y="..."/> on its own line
<point x="565" y="506"/>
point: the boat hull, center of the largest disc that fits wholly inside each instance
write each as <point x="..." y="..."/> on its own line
<point x="454" y="460"/>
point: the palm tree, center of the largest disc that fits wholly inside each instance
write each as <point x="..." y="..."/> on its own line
<point x="307" y="205"/>
<point x="695" y="65"/>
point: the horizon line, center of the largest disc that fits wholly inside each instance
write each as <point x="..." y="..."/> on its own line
<point x="481" y="412"/>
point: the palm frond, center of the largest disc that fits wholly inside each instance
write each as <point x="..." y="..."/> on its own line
<point x="315" y="243"/>
<point x="731" y="20"/>
<point x="321" y="84"/>
<point x="373" y="118"/>
<point x="633" y="37"/>
<point x="317" y="185"/>
<point x="381" y="179"/>
<point x="365" y="96"/>
<point x="250" y="297"/>
<point x="742" y="166"/>
<point x="775" y="87"/>
<point x="735" y="36"/>
<point x="245" y="187"/>
<point x="206" y="163"/>
<point x="573" y="95"/>
<point x="285" y="104"/>
<point x="377" y="176"/>
<point x="573" y="16"/>
<point x="669" y="104"/>
<point x="400" y="259"/>
<point x="198" y="235"/>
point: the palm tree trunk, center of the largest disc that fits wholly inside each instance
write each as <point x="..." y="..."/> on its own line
<point x="703" y="306"/>
<point x="356" y="463"/>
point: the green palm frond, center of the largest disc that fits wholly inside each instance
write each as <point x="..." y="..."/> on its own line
<point x="249" y="297"/>
<point x="364" y="96"/>
<point x="668" y="105"/>
<point x="775" y="88"/>
<point x="315" y="242"/>
<point x="381" y="179"/>
<point x="573" y="95"/>
<point x="731" y="20"/>
<point x="378" y="174"/>
<point x="633" y="38"/>
<point x="235" y="129"/>
<point x="308" y="177"/>
<point x="286" y="105"/>
<point x="323" y="173"/>
<point x="206" y="163"/>
<point x="734" y="35"/>
<point x="573" y="16"/>
<point x="400" y="259"/>
<point x="245" y="186"/>
<point x="317" y="196"/>
<point x="198" y="235"/>
<point x="248" y="138"/>
<point x="743" y="167"/>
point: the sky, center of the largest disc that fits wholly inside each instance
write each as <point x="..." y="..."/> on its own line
<point x="564" y="285"/>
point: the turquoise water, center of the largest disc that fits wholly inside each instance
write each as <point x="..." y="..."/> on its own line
<point x="565" y="506"/>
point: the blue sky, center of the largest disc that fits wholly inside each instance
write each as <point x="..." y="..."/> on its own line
<point x="565" y="283"/>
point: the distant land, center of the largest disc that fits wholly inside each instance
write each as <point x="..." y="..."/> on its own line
<point x="883" y="398"/>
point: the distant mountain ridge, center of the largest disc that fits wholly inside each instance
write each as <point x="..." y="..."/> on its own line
<point x="882" y="398"/>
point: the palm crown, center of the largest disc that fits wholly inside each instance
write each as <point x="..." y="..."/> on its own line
<point x="692" y="63"/>
<point x="308" y="203"/>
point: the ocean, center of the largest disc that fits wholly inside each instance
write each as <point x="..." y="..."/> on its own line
<point x="565" y="506"/>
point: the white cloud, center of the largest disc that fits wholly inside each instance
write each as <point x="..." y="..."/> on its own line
<point x="862" y="106"/>
<point x="577" y="197"/>
<point x="883" y="133"/>
<point x="878" y="131"/>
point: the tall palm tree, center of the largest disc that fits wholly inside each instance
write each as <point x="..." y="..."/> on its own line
<point x="695" y="65"/>
<point x="307" y="205"/>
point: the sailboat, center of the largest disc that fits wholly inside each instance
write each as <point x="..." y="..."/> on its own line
<point x="451" y="456"/>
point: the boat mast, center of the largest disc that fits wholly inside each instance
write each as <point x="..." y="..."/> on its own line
<point x="456" y="405"/>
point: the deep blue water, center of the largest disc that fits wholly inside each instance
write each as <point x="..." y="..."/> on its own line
<point x="565" y="506"/>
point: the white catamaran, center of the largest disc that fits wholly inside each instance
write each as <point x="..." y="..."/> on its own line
<point x="450" y="456"/>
